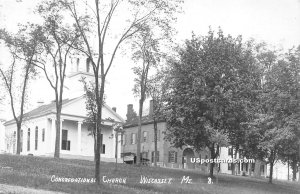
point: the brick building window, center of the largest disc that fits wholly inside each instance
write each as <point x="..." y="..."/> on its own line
<point x="172" y="157"/>
<point x="229" y="166"/>
<point x="157" y="156"/>
<point x="145" y="136"/>
<point x="124" y="140"/>
<point x="229" y="151"/>
<point x="133" y="138"/>
<point x="158" y="136"/>
<point x="145" y="155"/>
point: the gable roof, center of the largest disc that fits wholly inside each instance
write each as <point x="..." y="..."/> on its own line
<point x="113" y="112"/>
<point x="51" y="108"/>
<point x="41" y="110"/>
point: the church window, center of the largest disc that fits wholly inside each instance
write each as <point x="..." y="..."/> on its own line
<point x="21" y="141"/>
<point x="43" y="134"/>
<point x="65" y="143"/>
<point x="36" y="138"/>
<point x="103" y="145"/>
<point x="77" y="65"/>
<point x="28" y="140"/>
<point x="88" y="63"/>
<point x="15" y="140"/>
<point x="103" y="149"/>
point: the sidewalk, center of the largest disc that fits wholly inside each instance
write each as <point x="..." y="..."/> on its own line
<point x="24" y="190"/>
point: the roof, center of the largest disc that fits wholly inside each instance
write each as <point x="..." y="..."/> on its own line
<point x="145" y="121"/>
<point x="41" y="110"/>
<point x="51" y="108"/>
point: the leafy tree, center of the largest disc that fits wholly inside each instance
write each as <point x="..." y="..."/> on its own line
<point x="288" y="94"/>
<point x="211" y="86"/>
<point x="58" y="40"/>
<point x="23" y="48"/>
<point x="275" y="125"/>
<point x="98" y="19"/>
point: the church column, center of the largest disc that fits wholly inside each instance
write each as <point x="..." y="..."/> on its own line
<point x="79" y="137"/>
<point x="53" y="134"/>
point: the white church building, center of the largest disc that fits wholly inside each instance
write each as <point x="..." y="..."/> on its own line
<point x="38" y="130"/>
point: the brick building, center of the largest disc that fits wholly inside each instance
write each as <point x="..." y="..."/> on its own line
<point x="168" y="156"/>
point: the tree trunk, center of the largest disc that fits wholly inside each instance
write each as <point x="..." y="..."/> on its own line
<point x="233" y="156"/>
<point x="138" y="153"/>
<point x="271" y="159"/>
<point x="212" y="156"/>
<point x="18" y="138"/>
<point x="236" y="165"/>
<point x="299" y="176"/>
<point x="99" y="101"/>
<point x="57" y="138"/>
<point x="155" y="141"/>
<point x="250" y="168"/>
<point x="271" y="171"/>
<point x="288" y="174"/>
<point x="95" y="148"/>
<point x="19" y="122"/>
<point x="294" y="166"/>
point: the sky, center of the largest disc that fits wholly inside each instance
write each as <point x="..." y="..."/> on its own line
<point x="276" y="22"/>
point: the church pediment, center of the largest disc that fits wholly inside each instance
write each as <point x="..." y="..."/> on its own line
<point x="78" y="108"/>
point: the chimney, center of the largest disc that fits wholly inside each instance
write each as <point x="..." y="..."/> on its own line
<point x="114" y="109"/>
<point x="131" y="115"/>
<point x="151" y="108"/>
<point x="129" y="111"/>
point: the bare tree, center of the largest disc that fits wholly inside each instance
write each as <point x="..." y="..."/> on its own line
<point x="23" y="47"/>
<point x="158" y="87"/>
<point x="58" y="40"/>
<point x="103" y="12"/>
<point x="146" y="53"/>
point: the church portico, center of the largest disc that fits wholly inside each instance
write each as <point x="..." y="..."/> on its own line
<point x="76" y="139"/>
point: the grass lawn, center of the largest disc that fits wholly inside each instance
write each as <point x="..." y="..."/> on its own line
<point x="36" y="172"/>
